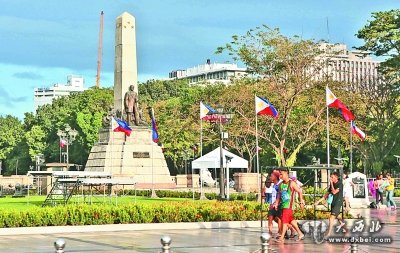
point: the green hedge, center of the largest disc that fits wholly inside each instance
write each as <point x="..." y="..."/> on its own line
<point x="182" y="211"/>
<point x="187" y="194"/>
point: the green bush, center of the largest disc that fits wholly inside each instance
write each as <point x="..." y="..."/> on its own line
<point x="187" y="195"/>
<point x="182" y="211"/>
<point x="397" y="192"/>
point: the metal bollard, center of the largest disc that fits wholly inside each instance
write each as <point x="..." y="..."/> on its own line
<point x="59" y="244"/>
<point x="353" y="248"/>
<point x="166" y="242"/>
<point x="264" y="242"/>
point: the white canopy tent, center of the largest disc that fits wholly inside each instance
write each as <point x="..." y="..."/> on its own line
<point x="212" y="160"/>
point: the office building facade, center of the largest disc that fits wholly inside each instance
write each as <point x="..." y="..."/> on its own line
<point x="44" y="96"/>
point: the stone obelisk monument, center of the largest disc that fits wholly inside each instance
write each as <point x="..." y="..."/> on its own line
<point x="125" y="72"/>
<point x="136" y="156"/>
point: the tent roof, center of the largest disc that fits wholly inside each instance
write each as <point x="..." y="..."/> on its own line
<point x="212" y="160"/>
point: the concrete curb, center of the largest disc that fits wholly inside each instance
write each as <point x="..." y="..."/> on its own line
<point x="128" y="227"/>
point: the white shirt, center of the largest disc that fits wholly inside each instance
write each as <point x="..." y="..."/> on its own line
<point x="347" y="185"/>
<point x="269" y="190"/>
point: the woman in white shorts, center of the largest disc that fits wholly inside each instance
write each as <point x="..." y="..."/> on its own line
<point x="347" y="190"/>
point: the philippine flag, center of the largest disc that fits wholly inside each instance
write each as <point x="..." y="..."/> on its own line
<point x="357" y="131"/>
<point x="118" y="125"/>
<point x="263" y="107"/>
<point x="154" y="127"/>
<point x="63" y="143"/>
<point x="205" y="111"/>
<point x="333" y="102"/>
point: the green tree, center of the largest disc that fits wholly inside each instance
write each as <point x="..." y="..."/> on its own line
<point x="381" y="36"/>
<point x="286" y="69"/>
<point x="11" y="133"/>
<point x="35" y="139"/>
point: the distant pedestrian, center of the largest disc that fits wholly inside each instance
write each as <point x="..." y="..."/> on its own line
<point x="389" y="192"/>
<point x="379" y="190"/>
<point x="267" y="191"/>
<point x="347" y="190"/>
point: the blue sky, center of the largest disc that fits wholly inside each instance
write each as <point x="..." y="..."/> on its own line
<point x="43" y="41"/>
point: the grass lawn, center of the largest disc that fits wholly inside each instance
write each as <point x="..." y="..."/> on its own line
<point x="32" y="201"/>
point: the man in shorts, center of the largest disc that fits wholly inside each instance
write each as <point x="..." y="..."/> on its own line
<point x="336" y="189"/>
<point x="274" y="214"/>
<point x="286" y="198"/>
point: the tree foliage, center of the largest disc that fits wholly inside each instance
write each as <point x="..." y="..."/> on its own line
<point x="381" y="36"/>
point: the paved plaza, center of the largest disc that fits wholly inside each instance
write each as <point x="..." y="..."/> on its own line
<point x="195" y="240"/>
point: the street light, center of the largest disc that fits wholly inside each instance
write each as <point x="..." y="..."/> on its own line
<point x="68" y="135"/>
<point x="223" y="117"/>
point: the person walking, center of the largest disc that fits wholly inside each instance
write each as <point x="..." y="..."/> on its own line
<point x="379" y="190"/>
<point x="336" y="189"/>
<point x="274" y="214"/>
<point x="286" y="198"/>
<point x="347" y="190"/>
<point x="389" y="192"/>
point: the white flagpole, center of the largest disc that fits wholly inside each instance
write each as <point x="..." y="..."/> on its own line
<point x="327" y="138"/>
<point x="201" y="137"/>
<point x="351" y="148"/>
<point x="153" y="192"/>
<point x="257" y="156"/>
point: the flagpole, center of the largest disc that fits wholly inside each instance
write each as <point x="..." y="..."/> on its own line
<point x="59" y="144"/>
<point x="257" y="158"/>
<point x="351" y="148"/>
<point x="153" y="193"/>
<point x="328" y="159"/>
<point x="258" y="173"/>
<point x="201" y="138"/>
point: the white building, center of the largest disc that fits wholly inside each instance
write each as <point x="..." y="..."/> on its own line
<point x="43" y="96"/>
<point x="210" y="72"/>
<point x="354" y="67"/>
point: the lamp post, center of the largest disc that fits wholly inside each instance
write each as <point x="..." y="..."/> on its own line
<point x="68" y="135"/>
<point x="223" y="117"/>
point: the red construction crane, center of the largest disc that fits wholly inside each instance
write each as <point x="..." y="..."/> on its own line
<point x="100" y="51"/>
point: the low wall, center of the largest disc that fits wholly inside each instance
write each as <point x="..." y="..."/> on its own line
<point x="246" y="182"/>
<point x="11" y="181"/>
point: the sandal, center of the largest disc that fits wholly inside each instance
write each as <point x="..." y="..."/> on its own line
<point x="279" y="241"/>
<point x="292" y="236"/>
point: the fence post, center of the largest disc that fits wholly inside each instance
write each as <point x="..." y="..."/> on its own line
<point x="264" y="242"/>
<point x="353" y="247"/>
<point x="166" y="242"/>
<point x="59" y="244"/>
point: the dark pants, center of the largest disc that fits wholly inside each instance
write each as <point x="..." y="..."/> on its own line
<point x="379" y="197"/>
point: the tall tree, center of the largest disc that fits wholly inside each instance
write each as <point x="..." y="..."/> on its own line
<point x="286" y="68"/>
<point x="381" y="36"/>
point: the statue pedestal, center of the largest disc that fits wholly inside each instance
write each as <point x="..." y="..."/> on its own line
<point x="136" y="157"/>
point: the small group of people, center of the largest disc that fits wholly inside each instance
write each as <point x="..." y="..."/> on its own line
<point x="280" y="193"/>
<point x="379" y="187"/>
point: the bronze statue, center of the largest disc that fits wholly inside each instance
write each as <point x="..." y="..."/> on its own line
<point x="131" y="106"/>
